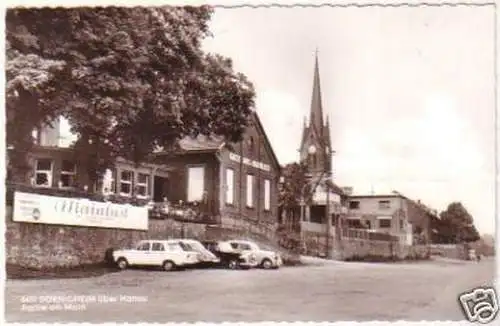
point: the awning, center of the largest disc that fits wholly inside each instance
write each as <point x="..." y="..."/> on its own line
<point x="385" y="217"/>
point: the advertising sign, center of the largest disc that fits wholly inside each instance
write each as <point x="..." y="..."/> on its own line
<point x="35" y="208"/>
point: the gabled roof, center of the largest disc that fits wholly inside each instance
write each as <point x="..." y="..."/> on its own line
<point x="214" y="143"/>
<point x="266" y="140"/>
<point x="316" y="180"/>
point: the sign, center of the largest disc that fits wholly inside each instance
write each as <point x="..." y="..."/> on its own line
<point x="35" y="208"/>
<point x="258" y="165"/>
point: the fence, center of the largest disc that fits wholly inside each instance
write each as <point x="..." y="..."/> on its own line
<point x="367" y="235"/>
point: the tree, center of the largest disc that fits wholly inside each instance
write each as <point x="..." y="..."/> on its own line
<point x="294" y="188"/>
<point x="28" y="83"/>
<point x="130" y="79"/>
<point x="457" y="225"/>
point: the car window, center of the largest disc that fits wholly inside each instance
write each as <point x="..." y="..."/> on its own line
<point x="174" y="247"/>
<point x="157" y="246"/>
<point x="143" y="246"/>
<point x="245" y="246"/>
<point x="234" y="245"/>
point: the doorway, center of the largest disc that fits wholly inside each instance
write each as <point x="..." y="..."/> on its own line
<point x="160" y="188"/>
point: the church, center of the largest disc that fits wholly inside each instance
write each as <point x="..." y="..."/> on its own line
<point x="325" y="202"/>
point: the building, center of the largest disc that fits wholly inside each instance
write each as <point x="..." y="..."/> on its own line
<point x="393" y="214"/>
<point x="325" y="201"/>
<point x="237" y="180"/>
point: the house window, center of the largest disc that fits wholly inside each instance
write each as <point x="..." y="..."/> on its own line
<point x="43" y="173"/>
<point x="229" y="186"/>
<point x="142" y="185"/>
<point x="354" y="205"/>
<point x="109" y="181"/>
<point x="196" y="183"/>
<point x="385" y="223"/>
<point x="267" y="194"/>
<point x="250" y="179"/>
<point x="384" y="204"/>
<point x="126" y="178"/>
<point x="68" y="173"/>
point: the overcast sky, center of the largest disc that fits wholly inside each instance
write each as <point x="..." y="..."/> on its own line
<point x="409" y="93"/>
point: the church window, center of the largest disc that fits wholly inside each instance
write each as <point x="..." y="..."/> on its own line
<point x="313" y="161"/>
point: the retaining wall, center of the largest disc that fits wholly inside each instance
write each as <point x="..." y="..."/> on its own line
<point x="45" y="246"/>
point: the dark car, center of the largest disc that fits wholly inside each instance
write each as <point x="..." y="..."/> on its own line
<point x="229" y="260"/>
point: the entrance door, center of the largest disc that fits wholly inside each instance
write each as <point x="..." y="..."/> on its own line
<point x="160" y="189"/>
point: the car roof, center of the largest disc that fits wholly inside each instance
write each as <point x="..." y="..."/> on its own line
<point x="185" y="240"/>
<point x="162" y="240"/>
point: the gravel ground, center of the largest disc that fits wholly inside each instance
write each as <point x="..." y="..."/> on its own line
<point x="323" y="291"/>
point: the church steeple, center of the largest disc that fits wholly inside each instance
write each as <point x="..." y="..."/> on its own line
<point x="315" y="146"/>
<point x="316" y="114"/>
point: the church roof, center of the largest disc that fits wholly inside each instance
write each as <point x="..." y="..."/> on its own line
<point x="316" y="123"/>
<point x="316" y="113"/>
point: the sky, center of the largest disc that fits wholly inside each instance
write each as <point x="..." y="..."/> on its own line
<point x="409" y="92"/>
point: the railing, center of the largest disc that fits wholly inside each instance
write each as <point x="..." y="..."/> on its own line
<point x="68" y="193"/>
<point x="192" y="212"/>
<point x="187" y="212"/>
<point x="367" y="235"/>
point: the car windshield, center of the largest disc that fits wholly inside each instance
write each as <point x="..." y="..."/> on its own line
<point x="185" y="246"/>
<point x="197" y="246"/>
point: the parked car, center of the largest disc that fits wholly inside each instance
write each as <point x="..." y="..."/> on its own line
<point x="166" y="254"/>
<point x="252" y="255"/>
<point x="228" y="258"/>
<point x="206" y="257"/>
<point x="158" y="210"/>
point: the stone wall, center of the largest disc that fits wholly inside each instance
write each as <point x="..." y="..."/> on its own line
<point x="45" y="246"/>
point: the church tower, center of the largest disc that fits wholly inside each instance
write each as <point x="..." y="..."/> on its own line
<point x="315" y="148"/>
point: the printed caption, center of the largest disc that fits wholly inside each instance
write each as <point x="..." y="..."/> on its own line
<point x="49" y="303"/>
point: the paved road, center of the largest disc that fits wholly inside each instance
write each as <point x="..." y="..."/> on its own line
<point x="331" y="292"/>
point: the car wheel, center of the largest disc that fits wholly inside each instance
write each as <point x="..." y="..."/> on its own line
<point x="122" y="263"/>
<point x="267" y="264"/>
<point x="168" y="265"/>
<point x="232" y="264"/>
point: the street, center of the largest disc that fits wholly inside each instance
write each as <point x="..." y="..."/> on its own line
<point x="332" y="291"/>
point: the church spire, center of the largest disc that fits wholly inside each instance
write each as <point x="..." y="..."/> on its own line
<point x="316" y="114"/>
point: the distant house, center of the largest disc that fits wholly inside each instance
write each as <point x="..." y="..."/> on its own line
<point x="394" y="214"/>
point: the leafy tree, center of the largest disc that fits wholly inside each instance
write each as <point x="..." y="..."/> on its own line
<point x="457" y="225"/>
<point x="130" y="79"/>
<point x="28" y="84"/>
<point x="294" y="186"/>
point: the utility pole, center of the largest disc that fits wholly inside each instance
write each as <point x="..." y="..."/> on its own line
<point x="327" y="208"/>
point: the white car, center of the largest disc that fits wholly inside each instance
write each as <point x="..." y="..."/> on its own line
<point x="204" y="255"/>
<point x="167" y="254"/>
<point x="251" y="254"/>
